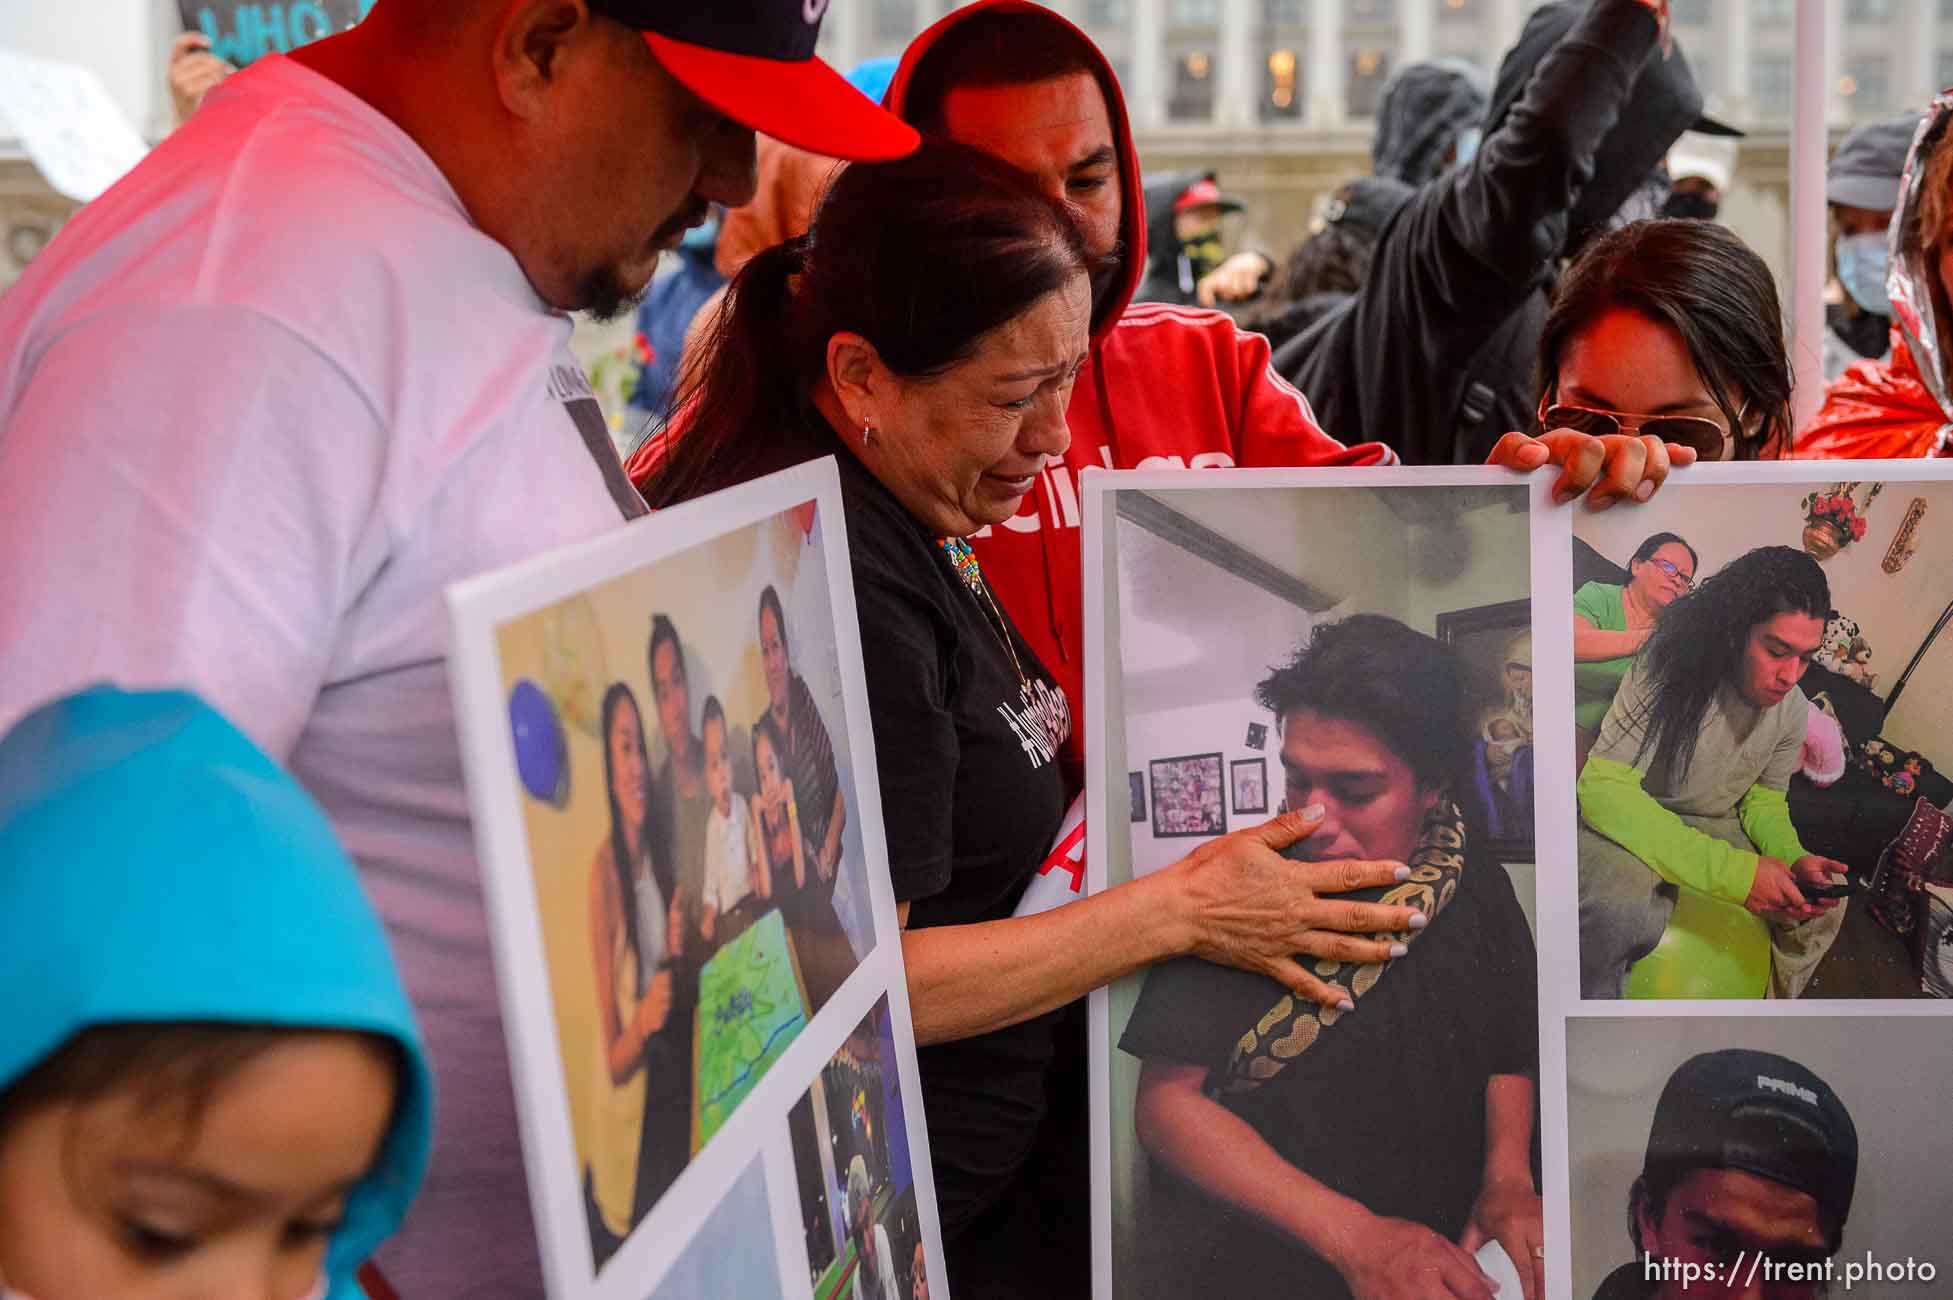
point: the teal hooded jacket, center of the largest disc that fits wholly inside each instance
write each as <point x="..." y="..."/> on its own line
<point x="156" y="866"/>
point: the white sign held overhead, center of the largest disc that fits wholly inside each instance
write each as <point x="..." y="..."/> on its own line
<point x="72" y="130"/>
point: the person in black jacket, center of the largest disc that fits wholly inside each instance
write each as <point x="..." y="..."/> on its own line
<point x="1434" y="355"/>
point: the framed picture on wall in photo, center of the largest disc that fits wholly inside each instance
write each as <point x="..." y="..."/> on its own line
<point x="1187" y="798"/>
<point x="1494" y="645"/>
<point x="1249" y="778"/>
<point x="1136" y="791"/>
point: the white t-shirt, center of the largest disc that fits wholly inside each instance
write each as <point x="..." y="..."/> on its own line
<point x="885" y="1262"/>
<point x="259" y="404"/>
<point x="728" y="859"/>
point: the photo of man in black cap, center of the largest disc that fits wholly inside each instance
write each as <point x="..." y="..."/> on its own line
<point x="1750" y="1168"/>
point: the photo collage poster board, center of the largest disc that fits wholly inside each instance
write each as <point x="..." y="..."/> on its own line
<point x="1199" y="586"/>
<point x="685" y="696"/>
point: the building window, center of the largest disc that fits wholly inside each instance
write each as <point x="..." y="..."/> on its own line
<point x="1193" y="88"/>
<point x="1689" y="13"/>
<point x="1281" y="13"/>
<point x="1368" y="70"/>
<point x="1944" y="76"/>
<point x="1866" y="85"/>
<point x="1281" y="87"/>
<point x="894" y="19"/>
<point x="1869" y="10"/>
<point x="1770" y="83"/>
<point x="1371" y="11"/>
<point x="1773" y="11"/>
<point x="1108" y="13"/>
<point x="1195" y="13"/>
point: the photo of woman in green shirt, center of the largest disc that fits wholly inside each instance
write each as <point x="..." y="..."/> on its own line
<point x="1612" y="621"/>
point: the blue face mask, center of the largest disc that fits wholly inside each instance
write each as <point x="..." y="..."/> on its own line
<point x="1861" y="269"/>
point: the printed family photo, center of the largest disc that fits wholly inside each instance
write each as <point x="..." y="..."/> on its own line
<point x="1254" y="1144"/>
<point x="856" y="1180"/>
<point x="1764" y="699"/>
<point x="677" y="843"/>
<point x="1777" y="1156"/>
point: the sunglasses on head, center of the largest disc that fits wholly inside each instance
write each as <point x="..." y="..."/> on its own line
<point x="1705" y="436"/>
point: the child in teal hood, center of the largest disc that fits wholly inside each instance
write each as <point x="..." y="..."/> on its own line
<point x="211" y="1082"/>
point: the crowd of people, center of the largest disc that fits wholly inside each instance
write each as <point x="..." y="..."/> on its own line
<point x="337" y="299"/>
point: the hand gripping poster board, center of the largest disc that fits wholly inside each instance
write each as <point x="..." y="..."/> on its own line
<point x="672" y="777"/>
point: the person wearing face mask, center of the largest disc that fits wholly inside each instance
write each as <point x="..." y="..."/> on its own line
<point x="1902" y="405"/>
<point x="1430" y="118"/>
<point x="211" y="1082"/>
<point x="1186" y="260"/>
<point x="1861" y="186"/>
<point x="926" y="333"/>
<point x="1698" y="172"/>
<point x="1433" y="356"/>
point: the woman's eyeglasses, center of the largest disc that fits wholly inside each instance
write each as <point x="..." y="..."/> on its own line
<point x="1688" y="583"/>
<point x="1704" y="435"/>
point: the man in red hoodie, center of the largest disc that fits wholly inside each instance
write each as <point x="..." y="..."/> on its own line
<point x="1165" y="386"/>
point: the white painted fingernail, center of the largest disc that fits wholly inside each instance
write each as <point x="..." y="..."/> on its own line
<point x="1646" y="490"/>
<point x="1345" y="1005"/>
<point x="1398" y="949"/>
<point x="1418" y="920"/>
<point x="1313" y="813"/>
<point x="1402" y="873"/>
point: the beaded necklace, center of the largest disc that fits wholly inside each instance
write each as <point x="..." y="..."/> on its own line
<point x="964" y="562"/>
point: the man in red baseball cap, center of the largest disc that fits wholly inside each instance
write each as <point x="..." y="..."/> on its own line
<point x="306" y="365"/>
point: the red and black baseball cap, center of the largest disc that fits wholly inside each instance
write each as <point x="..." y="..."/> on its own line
<point x="753" y="60"/>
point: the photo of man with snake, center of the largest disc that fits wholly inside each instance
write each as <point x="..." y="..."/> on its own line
<point x="1377" y="1149"/>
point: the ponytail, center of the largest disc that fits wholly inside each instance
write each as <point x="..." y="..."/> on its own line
<point x="742" y="388"/>
<point x="921" y="257"/>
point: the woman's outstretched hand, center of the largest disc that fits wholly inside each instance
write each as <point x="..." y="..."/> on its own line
<point x="1609" y="469"/>
<point x="1246" y="905"/>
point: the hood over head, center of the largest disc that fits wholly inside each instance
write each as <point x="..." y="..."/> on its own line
<point x="1162" y="191"/>
<point x="161" y="868"/>
<point x="1919" y="305"/>
<point x="1003" y="38"/>
<point x="1425" y="106"/>
<point x="1663" y="102"/>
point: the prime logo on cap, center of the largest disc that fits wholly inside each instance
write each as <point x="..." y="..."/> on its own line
<point x="1786" y="1088"/>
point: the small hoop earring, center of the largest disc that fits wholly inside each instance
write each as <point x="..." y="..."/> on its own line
<point x="867" y="433"/>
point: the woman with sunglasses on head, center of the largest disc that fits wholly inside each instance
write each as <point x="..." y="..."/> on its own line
<point x="1612" y="621"/>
